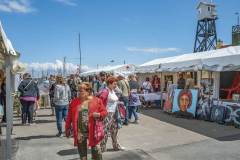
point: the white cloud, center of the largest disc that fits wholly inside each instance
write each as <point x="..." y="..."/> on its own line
<point x="68" y="2"/>
<point x="18" y="6"/>
<point x="152" y="50"/>
<point x="53" y="68"/>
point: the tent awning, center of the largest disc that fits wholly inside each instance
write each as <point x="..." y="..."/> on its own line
<point x="226" y="59"/>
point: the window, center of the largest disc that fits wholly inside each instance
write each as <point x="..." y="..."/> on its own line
<point x="209" y="9"/>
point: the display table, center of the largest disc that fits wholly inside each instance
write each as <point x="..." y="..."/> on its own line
<point x="150" y="96"/>
<point x="152" y="99"/>
<point x="153" y="96"/>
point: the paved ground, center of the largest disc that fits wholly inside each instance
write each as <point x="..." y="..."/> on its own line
<point x="154" y="138"/>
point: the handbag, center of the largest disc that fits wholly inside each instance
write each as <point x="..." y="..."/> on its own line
<point x="122" y="111"/>
<point x="98" y="131"/>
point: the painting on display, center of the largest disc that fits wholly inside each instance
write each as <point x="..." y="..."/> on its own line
<point x="232" y="116"/>
<point x="204" y="109"/>
<point x="169" y="100"/>
<point x="185" y="103"/>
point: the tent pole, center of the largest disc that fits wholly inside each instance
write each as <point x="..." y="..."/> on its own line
<point x="9" y="108"/>
<point x="161" y="91"/>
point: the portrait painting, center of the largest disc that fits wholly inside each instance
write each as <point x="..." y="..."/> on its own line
<point x="185" y="103"/>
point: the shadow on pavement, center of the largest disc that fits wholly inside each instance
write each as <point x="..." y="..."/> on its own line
<point x="43" y="115"/>
<point x="129" y="155"/>
<point x="36" y="137"/>
<point x="209" y="129"/>
<point x="45" y="121"/>
<point x="67" y="152"/>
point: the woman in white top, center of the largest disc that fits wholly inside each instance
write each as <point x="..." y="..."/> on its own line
<point x="110" y="100"/>
<point x="62" y="96"/>
<point x="147" y="86"/>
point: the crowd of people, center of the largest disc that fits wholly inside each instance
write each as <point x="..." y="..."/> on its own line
<point x="93" y="108"/>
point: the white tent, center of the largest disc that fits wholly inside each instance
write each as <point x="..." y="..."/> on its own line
<point x="225" y="59"/>
<point x="123" y="69"/>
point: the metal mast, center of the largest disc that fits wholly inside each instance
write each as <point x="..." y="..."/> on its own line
<point x="206" y="34"/>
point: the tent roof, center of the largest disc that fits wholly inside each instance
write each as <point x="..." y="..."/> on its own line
<point x="216" y="60"/>
<point x="5" y="44"/>
<point x="117" y="68"/>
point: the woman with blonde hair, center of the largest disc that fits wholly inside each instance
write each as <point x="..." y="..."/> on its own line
<point x="62" y="96"/>
<point x="84" y="113"/>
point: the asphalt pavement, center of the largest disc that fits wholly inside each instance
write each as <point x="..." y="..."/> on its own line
<point x="158" y="136"/>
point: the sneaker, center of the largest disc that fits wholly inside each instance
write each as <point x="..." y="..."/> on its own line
<point x="59" y="135"/>
<point x="119" y="148"/>
<point x="31" y="124"/>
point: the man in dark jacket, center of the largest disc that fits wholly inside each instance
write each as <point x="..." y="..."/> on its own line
<point x="29" y="94"/>
<point x="181" y="82"/>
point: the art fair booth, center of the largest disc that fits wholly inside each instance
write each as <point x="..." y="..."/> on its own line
<point x="215" y="75"/>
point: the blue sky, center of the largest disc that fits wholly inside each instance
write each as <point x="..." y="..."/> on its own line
<point x="132" y="30"/>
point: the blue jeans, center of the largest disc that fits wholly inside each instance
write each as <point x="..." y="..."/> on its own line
<point x="133" y="110"/>
<point x="61" y="114"/>
<point x="125" y="101"/>
<point x="27" y="111"/>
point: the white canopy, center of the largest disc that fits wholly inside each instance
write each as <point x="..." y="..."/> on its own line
<point x="226" y="59"/>
<point x="6" y="44"/>
<point x="6" y="48"/>
<point x="123" y="69"/>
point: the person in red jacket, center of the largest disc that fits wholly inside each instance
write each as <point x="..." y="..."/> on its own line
<point x="81" y="117"/>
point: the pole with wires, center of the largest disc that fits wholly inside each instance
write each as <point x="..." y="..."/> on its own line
<point x="80" y="53"/>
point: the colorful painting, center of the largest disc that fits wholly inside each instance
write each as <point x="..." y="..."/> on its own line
<point x="169" y="101"/>
<point x="232" y="116"/>
<point x="204" y="109"/>
<point x="185" y="103"/>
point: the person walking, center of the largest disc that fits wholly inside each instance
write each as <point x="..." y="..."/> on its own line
<point x="52" y="83"/>
<point x="62" y="97"/>
<point x="110" y="101"/>
<point x="123" y="85"/>
<point x="29" y="94"/>
<point x="73" y="86"/>
<point x="134" y="100"/>
<point x="83" y="113"/>
<point x="102" y="82"/>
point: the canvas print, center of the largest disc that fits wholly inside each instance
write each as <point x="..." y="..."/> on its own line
<point x="204" y="109"/>
<point x="218" y="114"/>
<point x="169" y="101"/>
<point x="232" y="115"/>
<point x="185" y="103"/>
